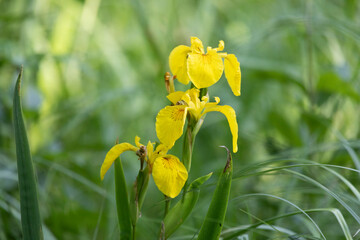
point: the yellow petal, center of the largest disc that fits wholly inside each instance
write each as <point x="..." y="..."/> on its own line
<point x="177" y="63"/>
<point x="150" y="149"/>
<point x="221" y="46"/>
<point x="169" y="175"/>
<point x="229" y="113"/>
<point x="205" y="69"/>
<point x="233" y="74"/>
<point x="114" y="153"/>
<point x="197" y="46"/>
<point x="175" y="96"/>
<point x="160" y="151"/>
<point x="170" y="124"/>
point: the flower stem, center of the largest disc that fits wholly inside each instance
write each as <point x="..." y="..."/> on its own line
<point x="188" y="146"/>
<point x="134" y="232"/>
<point x="167" y="205"/>
<point x="162" y="228"/>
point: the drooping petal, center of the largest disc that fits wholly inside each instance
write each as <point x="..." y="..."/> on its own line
<point x="197" y="46"/>
<point x="169" y="175"/>
<point x="177" y="63"/>
<point x="233" y="74"/>
<point x="229" y="113"/>
<point x="204" y="69"/>
<point x="170" y="124"/>
<point x="114" y="153"/>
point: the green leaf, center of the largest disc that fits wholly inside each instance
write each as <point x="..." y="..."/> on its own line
<point x="122" y="202"/>
<point x="178" y="214"/>
<point x="331" y="83"/>
<point x="215" y="216"/>
<point x="29" y="206"/>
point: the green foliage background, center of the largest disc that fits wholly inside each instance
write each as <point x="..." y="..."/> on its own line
<point x="93" y="72"/>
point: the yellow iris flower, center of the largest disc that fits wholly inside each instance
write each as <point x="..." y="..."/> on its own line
<point x="168" y="172"/>
<point x="170" y="120"/>
<point x="204" y="69"/>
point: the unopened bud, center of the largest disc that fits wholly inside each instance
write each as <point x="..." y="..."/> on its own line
<point x="167" y="77"/>
<point x="141" y="153"/>
<point x="169" y="82"/>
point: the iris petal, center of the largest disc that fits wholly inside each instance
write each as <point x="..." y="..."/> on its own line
<point x="233" y="74"/>
<point x="204" y="69"/>
<point x="177" y="63"/>
<point x="175" y="96"/>
<point x="197" y="46"/>
<point x="229" y="113"/>
<point x="169" y="175"/>
<point x="170" y="124"/>
<point x="114" y="153"/>
<point x="137" y="141"/>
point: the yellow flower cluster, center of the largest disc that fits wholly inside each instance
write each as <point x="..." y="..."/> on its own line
<point x="203" y="70"/>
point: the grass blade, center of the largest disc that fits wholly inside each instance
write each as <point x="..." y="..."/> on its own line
<point x="243" y="229"/>
<point x="122" y="202"/>
<point x="30" y="215"/>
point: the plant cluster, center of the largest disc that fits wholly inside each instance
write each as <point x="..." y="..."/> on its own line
<point x="188" y="64"/>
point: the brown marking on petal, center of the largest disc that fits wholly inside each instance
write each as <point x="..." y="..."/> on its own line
<point x="178" y="115"/>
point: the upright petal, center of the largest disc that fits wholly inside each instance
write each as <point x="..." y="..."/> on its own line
<point x="114" y="153"/>
<point x="229" y="113"/>
<point x="150" y="150"/>
<point x="137" y="141"/>
<point x="221" y="46"/>
<point x="233" y="74"/>
<point x="205" y="69"/>
<point x="177" y="63"/>
<point x="169" y="175"/>
<point x="197" y="46"/>
<point x="170" y="124"/>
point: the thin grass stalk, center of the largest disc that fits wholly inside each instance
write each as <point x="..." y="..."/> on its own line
<point x="334" y="211"/>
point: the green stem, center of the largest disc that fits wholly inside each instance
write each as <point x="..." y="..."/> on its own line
<point x="309" y="46"/>
<point x="134" y="232"/>
<point x="188" y="146"/>
<point x="167" y="205"/>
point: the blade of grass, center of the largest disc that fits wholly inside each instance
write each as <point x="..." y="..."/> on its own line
<point x="349" y="149"/>
<point x="30" y="215"/>
<point x="288" y="202"/>
<point x="310" y="180"/>
<point x="122" y="202"/>
<point x="246" y="228"/>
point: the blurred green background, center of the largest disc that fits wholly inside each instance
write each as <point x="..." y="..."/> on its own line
<point x="93" y="72"/>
